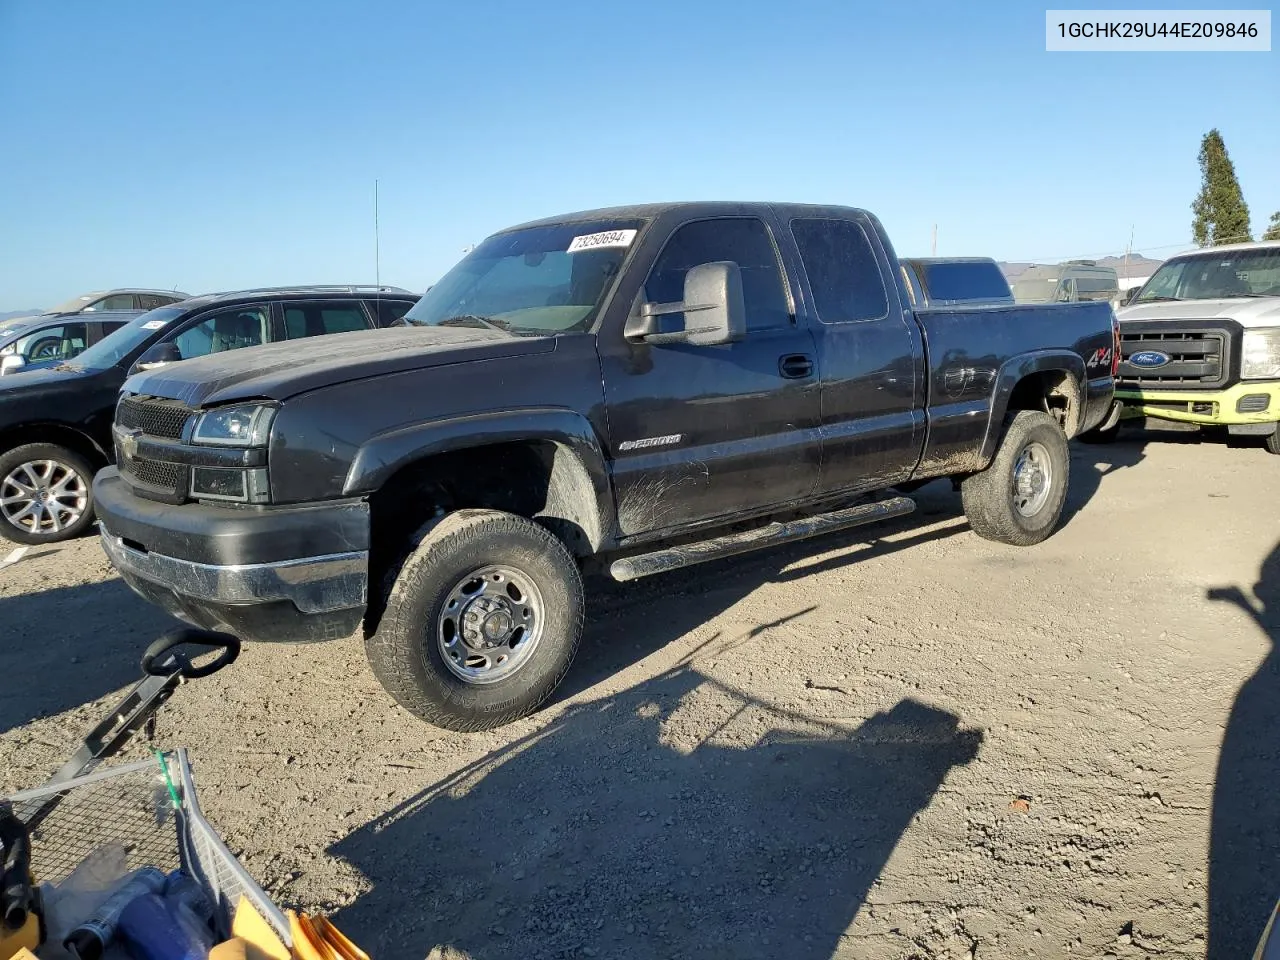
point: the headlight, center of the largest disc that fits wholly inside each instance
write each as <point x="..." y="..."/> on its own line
<point x="1260" y="357"/>
<point x="243" y="425"/>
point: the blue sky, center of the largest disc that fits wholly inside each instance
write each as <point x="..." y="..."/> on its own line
<point x="215" y="145"/>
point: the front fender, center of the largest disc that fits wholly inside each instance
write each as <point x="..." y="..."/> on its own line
<point x="1018" y="368"/>
<point x="580" y="479"/>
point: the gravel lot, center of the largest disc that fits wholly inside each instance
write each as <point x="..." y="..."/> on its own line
<point x="919" y="745"/>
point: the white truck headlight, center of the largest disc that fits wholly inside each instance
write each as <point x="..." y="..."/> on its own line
<point x="1260" y="355"/>
<point x="240" y="425"/>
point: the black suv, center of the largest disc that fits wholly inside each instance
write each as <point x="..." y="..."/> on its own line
<point x="55" y="424"/>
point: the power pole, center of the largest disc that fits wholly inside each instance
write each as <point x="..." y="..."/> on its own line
<point x="1127" y="251"/>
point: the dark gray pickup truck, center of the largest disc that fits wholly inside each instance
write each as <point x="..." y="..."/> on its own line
<point x="647" y="387"/>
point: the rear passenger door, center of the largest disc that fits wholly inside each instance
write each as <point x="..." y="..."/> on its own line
<point x="870" y="352"/>
<point x="317" y="318"/>
<point x="702" y="432"/>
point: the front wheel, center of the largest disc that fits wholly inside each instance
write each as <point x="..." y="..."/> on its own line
<point x="1273" y="441"/>
<point x="481" y="623"/>
<point x="46" y="494"/>
<point x="1018" y="498"/>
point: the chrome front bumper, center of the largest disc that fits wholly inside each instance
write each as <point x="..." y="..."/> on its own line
<point x="313" y="598"/>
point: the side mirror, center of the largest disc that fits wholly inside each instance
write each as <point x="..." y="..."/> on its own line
<point x="713" y="307"/>
<point x="157" y="355"/>
<point x="12" y="363"/>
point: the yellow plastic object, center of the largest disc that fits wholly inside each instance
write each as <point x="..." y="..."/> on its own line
<point x="15" y="944"/>
<point x="318" y="939"/>
<point x="237" y="948"/>
<point x="249" y="926"/>
<point x="306" y="942"/>
<point x="345" y="949"/>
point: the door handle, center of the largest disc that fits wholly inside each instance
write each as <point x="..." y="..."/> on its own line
<point x="795" y="366"/>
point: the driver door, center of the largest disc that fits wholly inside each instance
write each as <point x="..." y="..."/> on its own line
<point x="698" y="433"/>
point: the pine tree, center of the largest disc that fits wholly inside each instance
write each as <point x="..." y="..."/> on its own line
<point x="1273" y="228"/>
<point x="1221" y="215"/>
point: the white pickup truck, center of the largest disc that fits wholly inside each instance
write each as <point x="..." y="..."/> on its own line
<point x="1200" y="343"/>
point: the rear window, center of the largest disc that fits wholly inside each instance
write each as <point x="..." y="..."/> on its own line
<point x="965" y="281"/>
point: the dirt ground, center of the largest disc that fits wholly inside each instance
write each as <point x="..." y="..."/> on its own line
<point x="900" y="742"/>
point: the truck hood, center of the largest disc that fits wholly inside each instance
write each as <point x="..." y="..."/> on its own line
<point x="1251" y="312"/>
<point x="278" y="371"/>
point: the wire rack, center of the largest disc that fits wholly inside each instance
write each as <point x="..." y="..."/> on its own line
<point x="149" y="807"/>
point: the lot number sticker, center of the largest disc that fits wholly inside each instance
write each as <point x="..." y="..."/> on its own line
<point x="609" y="238"/>
<point x="154" y="324"/>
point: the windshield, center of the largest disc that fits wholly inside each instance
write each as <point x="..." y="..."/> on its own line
<point x="10" y="327"/>
<point x="113" y="348"/>
<point x="1216" y="276"/>
<point x="542" y="280"/>
<point x="74" y="304"/>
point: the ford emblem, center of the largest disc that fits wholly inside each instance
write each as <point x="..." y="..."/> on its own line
<point x="1149" y="359"/>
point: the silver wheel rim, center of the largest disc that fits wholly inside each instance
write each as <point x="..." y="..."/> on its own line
<point x="1032" y="479"/>
<point x="43" y="496"/>
<point x="490" y="624"/>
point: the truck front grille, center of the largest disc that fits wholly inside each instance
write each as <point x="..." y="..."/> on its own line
<point x="163" y="419"/>
<point x="1199" y="356"/>
<point x="154" y="417"/>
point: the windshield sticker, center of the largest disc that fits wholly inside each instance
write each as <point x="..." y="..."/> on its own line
<point x="609" y="238"/>
<point x="154" y="324"/>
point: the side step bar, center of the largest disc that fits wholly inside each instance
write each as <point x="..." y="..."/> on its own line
<point x="673" y="558"/>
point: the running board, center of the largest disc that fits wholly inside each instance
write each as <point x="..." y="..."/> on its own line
<point x="673" y="558"/>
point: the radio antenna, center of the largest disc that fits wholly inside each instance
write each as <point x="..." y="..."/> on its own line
<point x="377" y="257"/>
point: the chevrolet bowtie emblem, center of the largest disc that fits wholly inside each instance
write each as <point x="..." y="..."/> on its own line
<point x="129" y="443"/>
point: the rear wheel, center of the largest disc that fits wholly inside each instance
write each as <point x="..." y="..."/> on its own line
<point x="1018" y="498"/>
<point x="481" y="623"/>
<point x="46" y="494"/>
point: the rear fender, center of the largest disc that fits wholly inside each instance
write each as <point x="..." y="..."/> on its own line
<point x="1016" y="369"/>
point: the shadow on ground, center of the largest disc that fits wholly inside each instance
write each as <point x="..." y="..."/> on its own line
<point x="628" y="828"/>
<point x="71" y="645"/>
<point x="1244" y="837"/>
<point x="628" y="621"/>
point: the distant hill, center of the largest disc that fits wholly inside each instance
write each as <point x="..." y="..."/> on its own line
<point x="19" y="313"/>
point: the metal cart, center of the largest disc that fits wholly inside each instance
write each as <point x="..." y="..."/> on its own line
<point x="148" y="806"/>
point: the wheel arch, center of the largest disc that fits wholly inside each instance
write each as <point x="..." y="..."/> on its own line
<point x="1048" y="380"/>
<point x="56" y="433"/>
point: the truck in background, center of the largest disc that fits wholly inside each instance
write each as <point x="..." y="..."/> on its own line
<point x="1200" y="342"/>
<point x="1075" y="281"/>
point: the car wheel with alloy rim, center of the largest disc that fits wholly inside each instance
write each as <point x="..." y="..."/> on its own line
<point x="46" y="493"/>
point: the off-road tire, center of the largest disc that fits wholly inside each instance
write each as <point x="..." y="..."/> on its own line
<point x="29" y="452"/>
<point x="988" y="496"/>
<point x="404" y="650"/>
<point x="1273" y="441"/>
